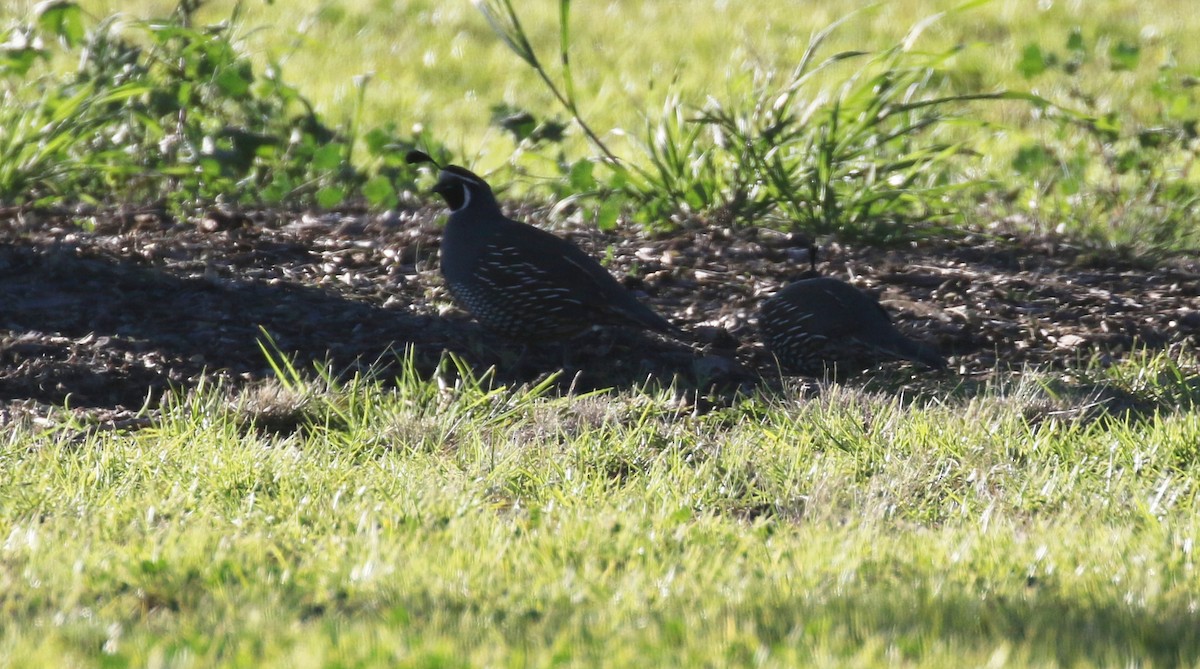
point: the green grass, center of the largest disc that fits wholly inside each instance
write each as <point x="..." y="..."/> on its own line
<point x="1058" y="120"/>
<point x="436" y="523"/>
<point x="1045" y="521"/>
<point x="438" y="64"/>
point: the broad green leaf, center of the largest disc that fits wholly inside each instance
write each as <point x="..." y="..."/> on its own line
<point x="379" y="192"/>
<point x="331" y="196"/>
<point x="1032" y="62"/>
<point x="606" y="215"/>
<point x="328" y="157"/>
<point x="64" y="20"/>
<point x="232" y="82"/>
<point x="377" y="142"/>
<point x="582" y="178"/>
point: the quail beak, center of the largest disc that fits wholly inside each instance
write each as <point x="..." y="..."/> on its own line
<point x="451" y="190"/>
<point x="444" y="184"/>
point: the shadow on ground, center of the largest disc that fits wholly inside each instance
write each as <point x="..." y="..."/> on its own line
<point x="94" y="331"/>
<point x="107" y="311"/>
<point x="1042" y="619"/>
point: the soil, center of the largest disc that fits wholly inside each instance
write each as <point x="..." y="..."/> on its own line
<point x="108" y="313"/>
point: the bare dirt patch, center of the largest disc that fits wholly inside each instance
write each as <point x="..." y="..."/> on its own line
<point x="106" y="313"/>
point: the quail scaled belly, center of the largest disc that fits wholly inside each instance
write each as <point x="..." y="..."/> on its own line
<point x="824" y="324"/>
<point x="522" y="282"/>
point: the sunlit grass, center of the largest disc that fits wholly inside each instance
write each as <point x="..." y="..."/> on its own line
<point x="1056" y="119"/>
<point x="1047" y="521"/>
<point x="444" y="524"/>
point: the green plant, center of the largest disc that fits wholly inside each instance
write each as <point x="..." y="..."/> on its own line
<point x="1101" y="174"/>
<point x="504" y="21"/>
<point x="864" y="160"/>
<point x="861" y="161"/>
<point x="47" y="140"/>
<point x="163" y="110"/>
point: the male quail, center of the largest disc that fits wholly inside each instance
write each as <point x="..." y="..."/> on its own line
<point x="523" y="282"/>
<point x="824" y="324"/>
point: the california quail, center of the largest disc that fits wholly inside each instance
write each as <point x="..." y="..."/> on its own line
<point x="824" y="324"/>
<point x="520" y="281"/>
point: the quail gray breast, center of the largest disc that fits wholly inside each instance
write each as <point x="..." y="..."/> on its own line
<point x="823" y="324"/>
<point x="523" y="282"/>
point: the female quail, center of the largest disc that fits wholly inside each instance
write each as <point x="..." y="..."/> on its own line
<point x="821" y="324"/>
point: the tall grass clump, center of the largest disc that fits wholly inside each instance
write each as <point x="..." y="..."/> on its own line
<point x="865" y="159"/>
<point x="885" y="144"/>
<point x="855" y="142"/>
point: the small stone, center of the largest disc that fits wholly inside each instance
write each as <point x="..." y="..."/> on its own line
<point x="1070" y="341"/>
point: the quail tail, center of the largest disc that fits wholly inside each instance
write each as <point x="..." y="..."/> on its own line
<point x="903" y="347"/>
<point x="645" y="316"/>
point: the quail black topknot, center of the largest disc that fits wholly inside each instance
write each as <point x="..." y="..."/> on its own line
<point x="522" y="282"/>
<point x="820" y="325"/>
